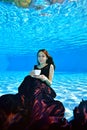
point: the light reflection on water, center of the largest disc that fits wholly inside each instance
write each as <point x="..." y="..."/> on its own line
<point x="27" y="30"/>
<point x="59" y="28"/>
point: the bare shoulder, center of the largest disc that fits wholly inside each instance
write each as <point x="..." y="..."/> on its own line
<point x="51" y="72"/>
<point x="51" y="66"/>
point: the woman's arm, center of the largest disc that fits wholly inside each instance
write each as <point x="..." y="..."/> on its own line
<point x="51" y="74"/>
<point x="43" y="78"/>
<point x="48" y="80"/>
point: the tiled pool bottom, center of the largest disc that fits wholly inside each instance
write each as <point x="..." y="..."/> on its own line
<point x="70" y="88"/>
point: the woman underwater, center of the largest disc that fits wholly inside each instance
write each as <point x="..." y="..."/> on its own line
<point x="34" y="107"/>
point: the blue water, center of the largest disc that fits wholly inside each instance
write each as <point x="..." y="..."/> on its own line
<point x="59" y="28"/>
<point x="70" y="88"/>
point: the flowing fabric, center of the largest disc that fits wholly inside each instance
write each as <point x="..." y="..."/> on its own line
<point x="80" y="116"/>
<point x="33" y="107"/>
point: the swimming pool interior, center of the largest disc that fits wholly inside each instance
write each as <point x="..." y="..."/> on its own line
<point x="59" y="28"/>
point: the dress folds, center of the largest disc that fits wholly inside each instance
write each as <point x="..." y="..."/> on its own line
<point x="33" y="107"/>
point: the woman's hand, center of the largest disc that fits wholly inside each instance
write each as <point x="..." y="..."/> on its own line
<point x="44" y="79"/>
<point x="32" y="73"/>
<point x="41" y="77"/>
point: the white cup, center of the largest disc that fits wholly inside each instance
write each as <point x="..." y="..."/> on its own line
<point x="37" y="72"/>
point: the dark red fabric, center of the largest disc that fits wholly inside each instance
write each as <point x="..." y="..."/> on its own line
<point x="33" y="107"/>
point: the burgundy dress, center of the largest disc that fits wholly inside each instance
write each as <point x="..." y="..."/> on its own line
<point x="33" y="107"/>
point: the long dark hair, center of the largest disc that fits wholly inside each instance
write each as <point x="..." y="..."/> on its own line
<point x="50" y="59"/>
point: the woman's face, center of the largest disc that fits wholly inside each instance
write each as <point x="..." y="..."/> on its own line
<point x="42" y="58"/>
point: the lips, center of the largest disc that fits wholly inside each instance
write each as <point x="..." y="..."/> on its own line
<point x="41" y="60"/>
